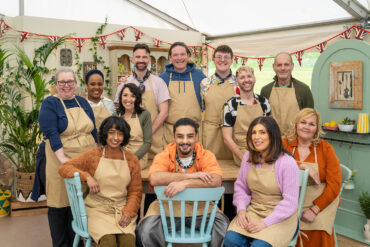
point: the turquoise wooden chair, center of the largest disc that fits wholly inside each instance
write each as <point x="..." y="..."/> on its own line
<point x="346" y="174"/>
<point x="76" y="201"/>
<point x="186" y="234"/>
<point x="303" y="177"/>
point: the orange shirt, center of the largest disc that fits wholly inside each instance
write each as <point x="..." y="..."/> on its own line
<point x="329" y="169"/>
<point x="205" y="161"/>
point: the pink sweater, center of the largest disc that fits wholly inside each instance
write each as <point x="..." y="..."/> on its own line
<point x="287" y="177"/>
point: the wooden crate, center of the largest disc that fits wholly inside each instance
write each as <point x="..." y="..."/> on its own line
<point x="27" y="208"/>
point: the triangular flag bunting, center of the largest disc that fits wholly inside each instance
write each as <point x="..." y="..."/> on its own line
<point x="321" y="47"/>
<point x="54" y="38"/>
<point x="157" y="42"/>
<point x="24" y="36"/>
<point x="299" y="55"/>
<point x="3" y="28"/>
<point x="346" y="34"/>
<point x="121" y="33"/>
<point x="360" y="34"/>
<point x="195" y="51"/>
<point x="102" y="41"/>
<point x="138" y="34"/>
<point x="244" y="60"/>
<point x="260" y="62"/>
<point x="79" y="43"/>
<point x="236" y="60"/>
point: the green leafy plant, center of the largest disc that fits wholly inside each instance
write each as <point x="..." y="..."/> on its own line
<point x="347" y="121"/>
<point x="364" y="200"/>
<point x="20" y="131"/>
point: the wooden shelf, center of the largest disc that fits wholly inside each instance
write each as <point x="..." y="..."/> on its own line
<point x="18" y="208"/>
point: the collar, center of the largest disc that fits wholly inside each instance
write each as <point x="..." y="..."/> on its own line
<point x="289" y="85"/>
<point x="141" y="80"/>
<point x="223" y="79"/>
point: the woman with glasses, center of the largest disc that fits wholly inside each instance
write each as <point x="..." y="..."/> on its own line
<point x="139" y="120"/>
<point x="102" y="106"/>
<point x="68" y="125"/>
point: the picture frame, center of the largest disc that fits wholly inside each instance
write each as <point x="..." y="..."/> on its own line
<point x="345" y="90"/>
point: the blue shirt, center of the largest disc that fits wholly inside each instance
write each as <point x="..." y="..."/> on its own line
<point x="53" y="119"/>
<point x="196" y="74"/>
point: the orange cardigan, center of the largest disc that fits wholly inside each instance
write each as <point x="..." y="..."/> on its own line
<point x="86" y="165"/>
<point x="329" y="169"/>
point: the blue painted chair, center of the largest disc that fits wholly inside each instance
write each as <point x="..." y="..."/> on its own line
<point x="346" y="174"/>
<point x="76" y="201"/>
<point x="186" y="234"/>
<point x="303" y="177"/>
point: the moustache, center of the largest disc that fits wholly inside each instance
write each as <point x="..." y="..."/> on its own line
<point x="183" y="144"/>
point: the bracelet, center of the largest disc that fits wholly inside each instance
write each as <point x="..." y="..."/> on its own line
<point x="313" y="211"/>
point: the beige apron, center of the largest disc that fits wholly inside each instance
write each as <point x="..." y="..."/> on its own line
<point x="244" y="116"/>
<point x="100" y="113"/>
<point x="136" y="138"/>
<point x="76" y="139"/>
<point x="284" y="106"/>
<point x="149" y="103"/>
<point x="266" y="195"/>
<point x="104" y="209"/>
<point x="153" y="209"/>
<point x="215" y="99"/>
<point x="324" y="221"/>
<point x="184" y="103"/>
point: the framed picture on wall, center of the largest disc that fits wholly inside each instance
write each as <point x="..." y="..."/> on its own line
<point x="345" y="85"/>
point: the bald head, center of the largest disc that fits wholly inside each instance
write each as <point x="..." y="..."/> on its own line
<point x="283" y="54"/>
<point x="283" y="67"/>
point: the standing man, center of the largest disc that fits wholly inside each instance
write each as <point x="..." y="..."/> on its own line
<point x="183" y="164"/>
<point x="286" y="94"/>
<point x="240" y="111"/>
<point x="183" y="81"/>
<point x="215" y="91"/>
<point x="155" y="95"/>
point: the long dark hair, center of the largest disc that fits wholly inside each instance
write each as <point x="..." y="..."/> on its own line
<point x="275" y="148"/>
<point x="136" y="91"/>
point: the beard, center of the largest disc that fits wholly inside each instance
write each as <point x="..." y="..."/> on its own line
<point x="185" y="152"/>
<point x="138" y="67"/>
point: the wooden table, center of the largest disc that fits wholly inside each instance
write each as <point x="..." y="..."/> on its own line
<point x="230" y="172"/>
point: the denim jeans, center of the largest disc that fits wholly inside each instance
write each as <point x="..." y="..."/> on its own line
<point x="234" y="239"/>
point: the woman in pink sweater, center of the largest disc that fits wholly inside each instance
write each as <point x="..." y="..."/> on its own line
<point x="266" y="190"/>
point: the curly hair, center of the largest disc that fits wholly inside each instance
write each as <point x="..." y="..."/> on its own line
<point x="136" y="91"/>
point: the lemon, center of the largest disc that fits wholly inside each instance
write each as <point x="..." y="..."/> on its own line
<point x="333" y="124"/>
<point x="326" y="124"/>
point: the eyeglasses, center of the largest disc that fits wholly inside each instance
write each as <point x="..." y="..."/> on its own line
<point x="63" y="83"/>
<point x="220" y="57"/>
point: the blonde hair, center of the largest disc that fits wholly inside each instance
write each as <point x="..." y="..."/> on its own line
<point x="303" y="114"/>
<point x="244" y="68"/>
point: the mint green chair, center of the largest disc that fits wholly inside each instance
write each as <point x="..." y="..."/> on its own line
<point x="346" y="175"/>
<point x="76" y="201"/>
<point x="303" y="177"/>
<point x="190" y="234"/>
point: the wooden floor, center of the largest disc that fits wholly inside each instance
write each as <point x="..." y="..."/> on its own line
<point x="33" y="231"/>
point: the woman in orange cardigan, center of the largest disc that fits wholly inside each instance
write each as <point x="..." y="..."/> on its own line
<point x="322" y="194"/>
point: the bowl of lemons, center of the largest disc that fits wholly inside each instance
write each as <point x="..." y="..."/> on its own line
<point x="332" y="125"/>
<point x="346" y="125"/>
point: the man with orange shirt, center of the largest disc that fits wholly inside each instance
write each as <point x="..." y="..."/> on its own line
<point x="183" y="164"/>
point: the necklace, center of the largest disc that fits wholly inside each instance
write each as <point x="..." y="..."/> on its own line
<point x="186" y="166"/>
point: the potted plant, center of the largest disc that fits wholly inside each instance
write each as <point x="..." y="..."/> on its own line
<point x="349" y="184"/>
<point x="20" y="132"/>
<point x="364" y="200"/>
<point x="346" y="125"/>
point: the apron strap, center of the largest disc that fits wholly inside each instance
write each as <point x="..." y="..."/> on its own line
<point x="300" y="235"/>
<point x="291" y="82"/>
<point x="303" y="162"/>
<point x="191" y="79"/>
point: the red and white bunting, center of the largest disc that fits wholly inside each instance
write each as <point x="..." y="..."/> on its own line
<point x="3" y="28"/>
<point x="24" y="36"/>
<point x="244" y="60"/>
<point x="79" y="43"/>
<point x="299" y="56"/>
<point x="360" y="34"/>
<point x="195" y="52"/>
<point x="138" y="34"/>
<point x="321" y="47"/>
<point x="54" y="38"/>
<point x="102" y="41"/>
<point x="157" y="42"/>
<point x="236" y="60"/>
<point x="260" y="62"/>
<point x="346" y="34"/>
<point x="121" y="33"/>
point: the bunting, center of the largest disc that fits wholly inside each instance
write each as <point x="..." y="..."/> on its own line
<point x="194" y="49"/>
<point x="25" y="36"/>
<point x="54" y="38"/>
<point x="321" y="47"/>
<point x="360" y="33"/>
<point x="157" y="42"/>
<point x="138" y="34"/>
<point x="3" y="28"/>
<point x="260" y="62"/>
<point x="244" y="60"/>
<point x="236" y="60"/>
<point x="79" y="43"/>
<point x="102" y="41"/>
<point x="346" y="34"/>
<point x="299" y="55"/>
<point x="121" y="33"/>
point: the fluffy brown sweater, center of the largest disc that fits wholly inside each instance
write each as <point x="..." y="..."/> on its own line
<point x="87" y="163"/>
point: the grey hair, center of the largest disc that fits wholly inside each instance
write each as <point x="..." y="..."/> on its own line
<point x="65" y="70"/>
<point x="283" y="52"/>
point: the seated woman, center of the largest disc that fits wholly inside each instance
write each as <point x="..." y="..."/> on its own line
<point x="139" y="120"/>
<point x="102" y="106"/>
<point x="266" y="190"/>
<point x="114" y="179"/>
<point x="322" y="194"/>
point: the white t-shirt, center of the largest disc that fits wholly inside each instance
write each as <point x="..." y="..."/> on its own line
<point x="107" y="102"/>
<point x="186" y="162"/>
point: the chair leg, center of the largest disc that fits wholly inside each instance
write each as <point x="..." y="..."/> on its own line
<point x="204" y="244"/>
<point x="169" y="245"/>
<point x="142" y="206"/>
<point x="76" y="240"/>
<point x="335" y="237"/>
<point x="223" y="203"/>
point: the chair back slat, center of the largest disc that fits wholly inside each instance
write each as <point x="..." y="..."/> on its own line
<point x="76" y="201"/>
<point x="195" y="195"/>
<point x="346" y="175"/>
<point x="193" y="219"/>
